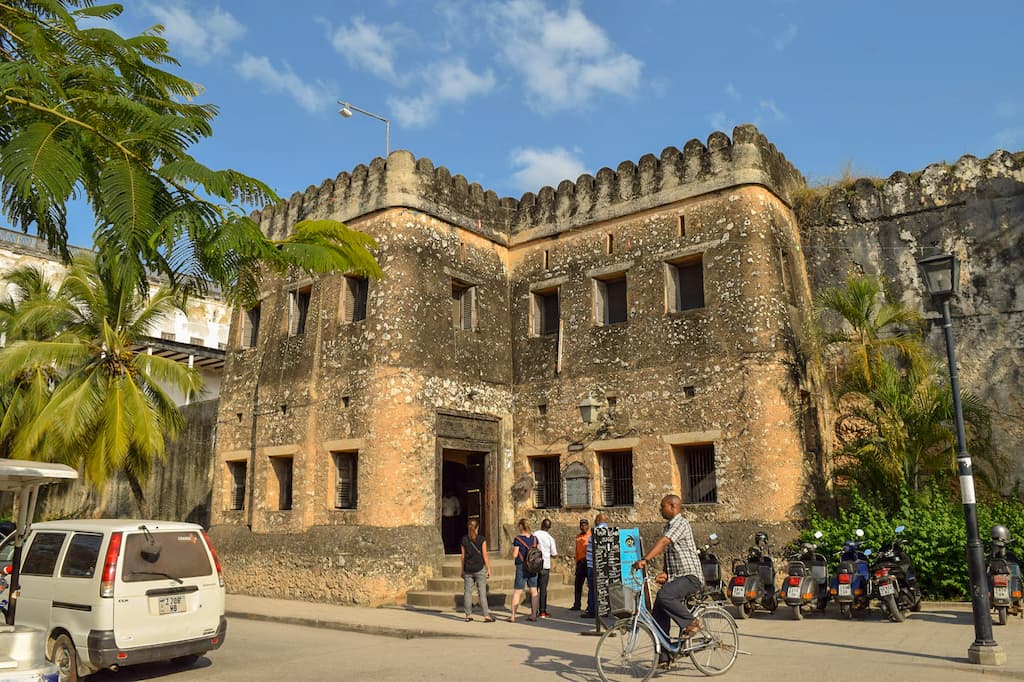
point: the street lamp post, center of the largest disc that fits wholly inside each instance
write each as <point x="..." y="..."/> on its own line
<point x="346" y="112"/>
<point x="941" y="279"/>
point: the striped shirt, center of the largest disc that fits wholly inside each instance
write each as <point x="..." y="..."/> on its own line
<point x="681" y="554"/>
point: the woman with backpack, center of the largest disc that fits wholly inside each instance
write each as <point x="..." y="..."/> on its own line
<point x="475" y="569"/>
<point x="521" y="547"/>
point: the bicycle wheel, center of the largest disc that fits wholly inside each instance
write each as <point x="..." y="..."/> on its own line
<point x="623" y="654"/>
<point x="715" y="646"/>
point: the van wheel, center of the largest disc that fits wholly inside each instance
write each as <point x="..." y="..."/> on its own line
<point x="186" y="661"/>
<point x="65" y="658"/>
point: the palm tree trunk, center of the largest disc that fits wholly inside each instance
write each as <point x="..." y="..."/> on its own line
<point x="139" y="494"/>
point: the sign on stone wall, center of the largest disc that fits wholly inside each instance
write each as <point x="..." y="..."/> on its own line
<point x="464" y="427"/>
<point x="615" y="552"/>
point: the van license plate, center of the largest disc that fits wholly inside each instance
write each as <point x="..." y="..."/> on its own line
<point x="175" y="604"/>
<point x="1001" y="592"/>
<point x="886" y="589"/>
<point x="738" y="591"/>
<point x="844" y="590"/>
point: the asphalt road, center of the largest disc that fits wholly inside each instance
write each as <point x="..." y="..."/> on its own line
<point x="930" y="646"/>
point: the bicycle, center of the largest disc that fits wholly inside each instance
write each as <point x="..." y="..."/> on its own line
<point x="630" y="649"/>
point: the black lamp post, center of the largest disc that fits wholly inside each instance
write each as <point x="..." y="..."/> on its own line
<point x="941" y="279"/>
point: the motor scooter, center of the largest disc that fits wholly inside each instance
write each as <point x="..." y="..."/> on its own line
<point x="712" y="568"/>
<point x="895" y="580"/>
<point x="851" y="586"/>
<point x="1004" y="580"/>
<point x="807" y="586"/>
<point x="753" y="579"/>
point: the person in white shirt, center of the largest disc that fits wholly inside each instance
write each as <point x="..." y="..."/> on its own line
<point x="548" y="549"/>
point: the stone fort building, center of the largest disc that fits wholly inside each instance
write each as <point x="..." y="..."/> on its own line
<point x="595" y="346"/>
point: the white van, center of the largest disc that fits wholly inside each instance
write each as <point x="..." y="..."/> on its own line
<point x="117" y="592"/>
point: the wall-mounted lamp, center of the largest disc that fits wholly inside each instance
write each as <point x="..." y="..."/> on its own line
<point x="588" y="409"/>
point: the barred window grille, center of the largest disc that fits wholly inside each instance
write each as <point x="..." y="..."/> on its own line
<point x="236" y="473"/>
<point x="345" y="465"/>
<point x="699" y="486"/>
<point x="547" y="491"/>
<point x="686" y="284"/>
<point x="577" y="485"/>
<point x="354" y="299"/>
<point x="617" y="478"/>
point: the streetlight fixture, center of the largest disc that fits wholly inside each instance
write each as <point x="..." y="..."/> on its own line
<point x="588" y="409"/>
<point x="941" y="279"/>
<point x="346" y="112"/>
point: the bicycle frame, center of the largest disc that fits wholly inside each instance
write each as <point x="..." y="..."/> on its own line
<point x="643" y="615"/>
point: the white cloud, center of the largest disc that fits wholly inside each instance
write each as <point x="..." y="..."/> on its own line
<point x="365" y="46"/>
<point x="198" y="36"/>
<point x="311" y="98"/>
<point x="541" y="167"/>
<point x="444" y="82"/>
<point x="731" y="92"/>
<point x="783" y="40"/>
<point x="772" y="108"/>
<point x="565" y="60"/>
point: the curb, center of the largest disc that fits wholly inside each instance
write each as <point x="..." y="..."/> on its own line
<point x="383" y="630"/>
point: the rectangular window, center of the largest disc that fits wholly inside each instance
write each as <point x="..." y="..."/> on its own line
<point x="547" y="491"/>
<point x="250" y="327"/>
<point x="685" y="284"/>
<point x="42" y="555"/>
<point x="182" y="554"/>
<point x="298" y="310"/>
<point x="282" y="467"/>
<point x="346" y="470"/>
<point x="354" y="299"/>
<point x="610" y="299"/>
<point x="546" y="313"/>
<point x="617" y="478"/>
<point x="168" y="336"/>
<point x="80" y="559"/>
<point x="196" y="341"/>
<point x="463" y="305"/>
<point x="697" y="473"/>
<point x="236" y="479"/>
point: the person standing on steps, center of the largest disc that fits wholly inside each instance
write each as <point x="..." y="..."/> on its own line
<point x="682" y="575"/>
<point x="581" y="564"/>
<point x="548" y="548"/>
<point x="475" y="569"/>
<point x="520" y="546"/>
<point x="600" y="521"/>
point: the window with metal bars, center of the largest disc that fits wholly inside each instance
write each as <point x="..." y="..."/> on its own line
<point x="354" y="299"/>
<point x="236" y="476"/>
<point x="250" y="327"/>
<point x="547" y="490"/>
<point x="697" y="472"/>
<point x="298" y="310"/>
<point x="617" y="478"/>
<point x="283" y="468"/>
<point x="345" y="480"/>
<point x="686" y="284"/>
<point x="463" y="305"/>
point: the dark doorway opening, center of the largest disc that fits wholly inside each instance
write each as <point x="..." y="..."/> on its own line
<point x="463" y="495"/>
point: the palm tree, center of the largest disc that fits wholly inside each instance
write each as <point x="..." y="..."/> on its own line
<point x="107" y="409"/>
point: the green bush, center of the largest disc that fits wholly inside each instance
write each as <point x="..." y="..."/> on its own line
<point x="935" y="534"/>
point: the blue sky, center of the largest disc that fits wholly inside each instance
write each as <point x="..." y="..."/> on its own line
<point x="516" y="94"/>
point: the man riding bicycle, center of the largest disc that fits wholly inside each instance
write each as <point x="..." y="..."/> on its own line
<point x="682" y="574"/>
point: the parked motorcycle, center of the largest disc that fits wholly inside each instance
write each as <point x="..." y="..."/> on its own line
<point x="753" y="579"/>
<point x="1004" y="581"/>
<point x="712" y="568"/>
<point x="807" y="586"/>
<point x="895" y="580"/>
<point x="851" y="586"/>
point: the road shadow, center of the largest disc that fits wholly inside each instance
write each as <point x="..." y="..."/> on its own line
<point x="151" y="671"/>
<point x="846" y="646"/>
<point x="562" y="619"/>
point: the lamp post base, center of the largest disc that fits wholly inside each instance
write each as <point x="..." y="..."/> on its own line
<point x="986" y="654"/>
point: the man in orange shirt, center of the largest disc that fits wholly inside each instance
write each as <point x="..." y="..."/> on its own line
<point x="581" y="562"/>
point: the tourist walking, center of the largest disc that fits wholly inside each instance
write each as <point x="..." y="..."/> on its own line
<point x="524" y="580"/>
<point x="581" y="564"/>
<point x="549" y="549"/>
<point x="476" y="569"/>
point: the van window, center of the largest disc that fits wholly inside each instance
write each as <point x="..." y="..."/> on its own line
<point x="42" y="555"/>
<point x="182" y="555"/>
<point x="80" y="559"/>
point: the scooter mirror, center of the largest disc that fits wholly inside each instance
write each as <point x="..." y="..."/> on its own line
<point x="867" y="552"/>
<point x="900" y="529"/>
<point x="713" y="537"/>
<point x="817" y="534"/>
<point x="859" y="533"/>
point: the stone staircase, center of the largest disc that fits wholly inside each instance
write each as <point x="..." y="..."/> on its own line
<point x="445" y="592"/>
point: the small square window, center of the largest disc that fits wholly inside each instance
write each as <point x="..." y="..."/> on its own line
<point x="610" y="299"/>
<point x="547" y="490"/>
<point x="463" y="305"/>
<point x="697" y="473"/>
<point x="689" y="391"/>
<point x="196" y="341"/>
<point x="283" y="468"/>
<point x="542" y="410"/>
<point x="546" y="313"/>
<point x="168" y="336"/>
<point x="298" y="310"/>
<point x="617" y="478"/>
<point x="354" y="299"/>
<point x="236" y="483"/>
<point x="346" y="479"/>
<point x="685" y="285"/>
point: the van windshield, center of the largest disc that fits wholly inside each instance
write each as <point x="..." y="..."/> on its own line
<point x="182" y="555"/>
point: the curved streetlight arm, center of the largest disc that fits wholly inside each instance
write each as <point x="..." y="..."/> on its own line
<point x="387" y="123"/>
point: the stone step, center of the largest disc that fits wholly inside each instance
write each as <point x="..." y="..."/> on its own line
<point x="447" y="593"/>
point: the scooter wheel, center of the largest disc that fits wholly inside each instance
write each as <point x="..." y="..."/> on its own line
<point x="798" y="613"/>
<point x="745" y="610"/>
<point x="1001" y="614"/>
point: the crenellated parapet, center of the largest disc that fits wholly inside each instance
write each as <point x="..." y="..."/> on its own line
<point x="404" y="181"/>
<point x="937" y="186"/>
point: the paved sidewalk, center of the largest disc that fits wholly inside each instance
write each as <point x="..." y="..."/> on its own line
<point x="930" y="645"/>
